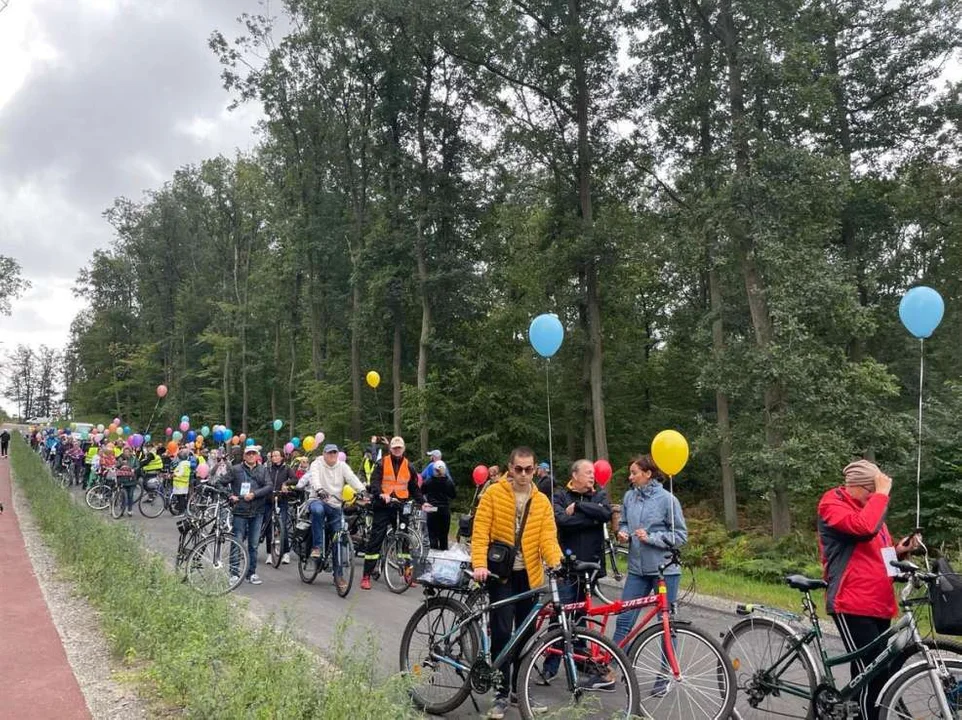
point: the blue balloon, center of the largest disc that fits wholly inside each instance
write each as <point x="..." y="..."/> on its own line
<point x="921" y="311"/>
<point x="228" y="434"/>
<point x="546" y="334"/>
<point x="248" y="442"/>
<point x="218" y="437"/>
<point x="127" y="430"/>
<point x="296" y="442"/>
<point x="147" y="437"/>
<point x="191" y="436"/>
<point x="184" y="418"/>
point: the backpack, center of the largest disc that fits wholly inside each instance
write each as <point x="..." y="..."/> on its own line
<point x="946" y="598"/>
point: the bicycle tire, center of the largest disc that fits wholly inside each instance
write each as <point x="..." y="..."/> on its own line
<point x="118" y="502"/>
<point x="918" y="675"/>
<point x="97" y="497"/>
<point x="704" y="690"/>
<point x="308" y="567"/>
<point x="601" y="657"/>
<point x="277" y="540"/>
<point x="152" y="504"/>
<point x="342" y="552"/>
<point x="398" y="569"/>
<point x="210" y="569"/>
<point x="747" y="663"/>
<point x="463" y="648"/>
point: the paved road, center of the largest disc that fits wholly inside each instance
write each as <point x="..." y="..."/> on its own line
<point x="378" y="615"/>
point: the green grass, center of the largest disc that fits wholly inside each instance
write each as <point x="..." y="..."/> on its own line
<point x="202" y="656"/>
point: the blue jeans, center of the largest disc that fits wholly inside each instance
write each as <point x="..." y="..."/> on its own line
<point x="332" y="517"/>
<point x="251" y="527"/>
<point x="569" y="591"/>
<point x="129" y="490"/>
<point x="637" y="586"/>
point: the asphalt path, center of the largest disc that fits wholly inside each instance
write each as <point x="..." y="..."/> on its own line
<point x="374" y="619"/>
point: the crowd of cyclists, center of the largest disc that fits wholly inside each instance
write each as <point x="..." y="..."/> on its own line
<point x="522" y="522"/>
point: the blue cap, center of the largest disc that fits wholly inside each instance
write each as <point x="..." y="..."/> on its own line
<point x="330" y="447"/>
<point x="544" y="466"/>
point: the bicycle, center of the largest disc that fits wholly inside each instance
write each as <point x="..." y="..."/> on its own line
<point x="451" y="657"/>
<point x="275" y="532"/>
<point x="401" y="545"/>
<point x="785" y="679"/>
<point x="118" y="498"/>
<point x="101" y="493"/>
<point x="156" y="495"/>
<point x="692" y="676"/>
<point x="338" y="551"/>
<point x="212" y="560"/>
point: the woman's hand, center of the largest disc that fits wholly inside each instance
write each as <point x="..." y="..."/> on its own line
<point x="622" y="536"/>
<point x="641" y="534"/>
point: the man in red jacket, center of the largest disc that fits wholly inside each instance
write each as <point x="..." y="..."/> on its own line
<point x="856" y="548"/>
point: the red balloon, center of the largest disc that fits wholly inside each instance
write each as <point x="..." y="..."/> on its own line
<point x="602" y="472"/>
<point x="161" y="391"/>
<point x="480" y="475"/>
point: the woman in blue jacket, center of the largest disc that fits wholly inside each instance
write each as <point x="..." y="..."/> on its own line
<point x="651" y="521"/>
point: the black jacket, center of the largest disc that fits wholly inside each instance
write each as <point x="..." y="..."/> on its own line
<point x="582" y="533"/>
<point x="439" y="490"/>
<point x="260" y="486"/>
<point x="277" y="475"/>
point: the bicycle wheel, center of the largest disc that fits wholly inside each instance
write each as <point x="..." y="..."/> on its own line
<point x="277" y="536"/>
<point x="217" y="565"/>
<point x="399" y="549"/>
<point x="912" y="696"/>
<point x="598" y="682"/>
<point x="308" y="567"/>
<point x="754" y="645"/>
<point x="118" y="503"/>
<point x="342" y="556"/>
<point x="98" y="497"/>
<point x="151" y="504"/>
<point x="438" y="687"/>
<point x="705" y="687"/>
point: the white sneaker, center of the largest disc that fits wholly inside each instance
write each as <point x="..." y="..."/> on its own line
<point x="286" y="559"/>
<point x="255" y="579"/>
<point x="234" y="579"/>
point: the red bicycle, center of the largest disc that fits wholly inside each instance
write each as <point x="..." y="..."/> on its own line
<point x="683" y="673"/>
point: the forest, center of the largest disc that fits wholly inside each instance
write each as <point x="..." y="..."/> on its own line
<point x="722" y="200"/>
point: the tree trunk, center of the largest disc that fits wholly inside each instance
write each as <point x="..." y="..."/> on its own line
<point x="423" y="343"/>
<point x="356" y="360"/>
<point x="226" y="385"/>
<point x="745" y="248"/>
<point x="729" y="497"/>
<point x="396" y="370"/>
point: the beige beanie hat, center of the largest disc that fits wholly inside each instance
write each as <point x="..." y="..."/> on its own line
<point x="860" y="473"/>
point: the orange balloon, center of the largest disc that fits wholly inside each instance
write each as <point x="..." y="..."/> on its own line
<point x="111" y="428"/>
<point x="171" y="448"/>
<point x="234" y="440"/>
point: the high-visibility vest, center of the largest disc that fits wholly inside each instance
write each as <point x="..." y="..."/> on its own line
<point x="155" y="464"/>
<point x="395" y="485"/>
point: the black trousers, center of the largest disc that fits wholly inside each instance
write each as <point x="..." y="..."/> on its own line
<point x="439" y="523"/>
<point x="857" y="631"/>
<point x="3" y="448"/>
<point x="505" y="620"/>
<point x="383" y="518"/>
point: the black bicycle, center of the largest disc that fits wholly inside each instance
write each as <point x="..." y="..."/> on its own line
<point x="212" y="560"/>
<point x="337" y="555"/>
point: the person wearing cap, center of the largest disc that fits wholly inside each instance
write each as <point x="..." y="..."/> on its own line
<point x="281" y="477"/>
<point x="439" y="491"/>
<point x="394" y="478"/>
<point x="544" y="479"/>
<point x="856" y="548"/>
<point x="428" y="471"/>
<point x="326" y="480"/>
<point x="249" y="487"/>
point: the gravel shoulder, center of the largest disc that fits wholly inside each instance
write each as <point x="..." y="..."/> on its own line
<point x="78" y="625"/>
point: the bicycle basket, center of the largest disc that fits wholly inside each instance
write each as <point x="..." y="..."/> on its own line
<point x="443" y="568"/>
<point x="184" y="525"/>
<point x="946" y="600"/>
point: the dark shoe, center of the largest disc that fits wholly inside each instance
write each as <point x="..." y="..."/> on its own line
<point x="595" y="682"/>
<point x="661" y="687"/>
<point x="537" y="707"/>
<point x="315" y="552"/>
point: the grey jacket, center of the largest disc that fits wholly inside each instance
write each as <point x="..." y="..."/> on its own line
<point x="651" y="508"/>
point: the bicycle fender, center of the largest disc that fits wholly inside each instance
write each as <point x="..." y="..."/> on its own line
<point x="897" y="676"/>
<point x="819" y="673"/>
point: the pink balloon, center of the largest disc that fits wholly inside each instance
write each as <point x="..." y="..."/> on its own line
<point x="203" y="471"/>
<point x="184" y="426"/>
<point x="161" y="391"/>
<point x="341" y="457"/>
<point x="319" y="438"/>
<point x="288" y="448"/>
<point x="116" y="421"/>
<point x="169" y="431"/>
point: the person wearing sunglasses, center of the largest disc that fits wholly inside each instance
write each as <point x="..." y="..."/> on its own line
<point x="514" y="512"/>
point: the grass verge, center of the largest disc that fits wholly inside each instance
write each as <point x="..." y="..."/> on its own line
<point x="202" y="655"/>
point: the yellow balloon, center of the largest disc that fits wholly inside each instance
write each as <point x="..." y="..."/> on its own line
<point x="373" y="379"/>
<point x="348" y="494"/>
<point x="308" y="443"/>
<point x="669" y="450"/>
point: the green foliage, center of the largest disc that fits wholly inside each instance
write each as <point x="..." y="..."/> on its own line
<point x="201" y="655"/>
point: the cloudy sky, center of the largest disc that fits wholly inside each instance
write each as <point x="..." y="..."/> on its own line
<point x="98" y="98"/>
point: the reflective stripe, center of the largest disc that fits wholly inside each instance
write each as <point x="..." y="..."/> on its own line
<point x="372" y="557"/>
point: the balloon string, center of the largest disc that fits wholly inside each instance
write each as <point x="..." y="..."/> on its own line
<point x="671" y="491"/>
<point x="152" y="413"/>
<point x="918" y="462"/>
<point x="547" y="388"/>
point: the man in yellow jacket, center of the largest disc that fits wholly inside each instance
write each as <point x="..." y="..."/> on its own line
<point x="499" y="517"/>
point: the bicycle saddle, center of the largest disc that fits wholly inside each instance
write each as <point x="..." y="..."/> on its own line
<point x="586" y="567"/>
<point x="800" y="582"/>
